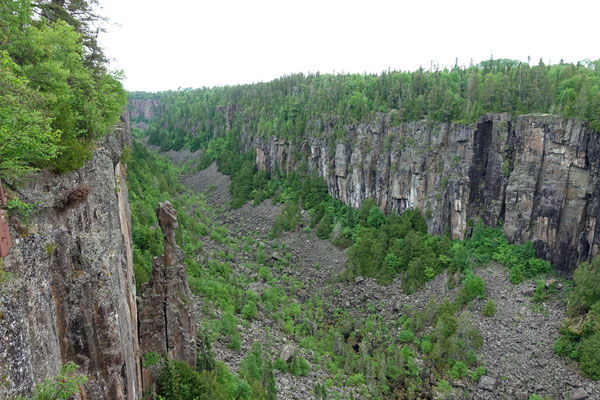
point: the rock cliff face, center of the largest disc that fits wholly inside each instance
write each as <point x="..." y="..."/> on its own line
<point x="167" y="321"/>
<point x="144" y="109"/>
<point x="536" y="175"/>
<point x="70" y="295"/>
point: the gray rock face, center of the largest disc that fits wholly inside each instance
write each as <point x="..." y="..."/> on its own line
<point x="71" y="291"/>
<point x="537" y="175"/>
<point x="167" y="323"/>
<point x="145" y="109"/>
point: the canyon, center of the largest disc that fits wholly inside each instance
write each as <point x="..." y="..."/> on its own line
<point x="71" y="294"/>
<point x="536" y="175"/>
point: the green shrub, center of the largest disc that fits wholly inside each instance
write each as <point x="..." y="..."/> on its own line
<point x="63" y="386"/>
<point x="445" y="327"/>
<point x="443" y="387"/>
<point x="426" y="346"/>
<point x="21" y="209"/>
<point x="516" y="276"/>
<point x="259" y="197"/>
<point x="537" y="266"/>
<point x="505" y="168"/>
<point x="178" y="381"/>
<point x="489" y="309"/>
<point x="252" y="365"/>
<point x="299" y="366"/>
<point x="235" y="342"/>
<point x="320" y="391"/>
<point x="205" y="356"/>
<point x="376" y="217"/>
<point x="586" y="290"/>
<point x="280" y="365"/>
<point x="325" y="227"/>
<point x="289" y="219"/>
<point x="477" y="373"/>
<point x="74" y="154"/>
<point x="151" y="358"/>
<point x="250" y="310"/>
<point x="563" y="347"/>
<point x="356" y="380"/>
<point x="406" y="336"/>
<point x="458" y="370"/>
<point x="444" y="183"/>
<point x="461" y="259"/>
<point x="540" y="294"/>
<point x="471" y="358"/>
<point x="228" y="323"/>
<point x="473" y="287"/>
<point x="580" y="336"/>
<point x="590" y="356"/>
<point x="308" y="343"/>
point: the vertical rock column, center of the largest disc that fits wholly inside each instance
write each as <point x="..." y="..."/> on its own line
<point x="167" y="322"/>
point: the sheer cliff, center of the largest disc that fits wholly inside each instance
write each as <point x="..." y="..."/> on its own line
<point x="535" y="174"/>
<point x="70" y="292"/>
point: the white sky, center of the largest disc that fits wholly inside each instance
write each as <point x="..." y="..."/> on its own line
<point x="165" y="45"/>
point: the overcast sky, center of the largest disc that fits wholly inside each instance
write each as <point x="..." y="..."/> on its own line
<point x="165" y="45"/>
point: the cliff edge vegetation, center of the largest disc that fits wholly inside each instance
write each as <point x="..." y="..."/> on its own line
<point x="55" y="90"/>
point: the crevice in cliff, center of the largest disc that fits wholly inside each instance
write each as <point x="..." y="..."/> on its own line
<point x="493" y="169"/>
<point x="482" y="139"/>
<point x="510" y="158"/>
<point x="583" y="228"/>
<point x="165" y="309"/>
<point x="537" y="191"/>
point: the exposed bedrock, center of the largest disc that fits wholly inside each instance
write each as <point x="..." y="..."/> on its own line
<point x="536" y="175"/>
<point x="143" y="109"/>
<point x="70" y="292"/>
<point x="167" y="324"/>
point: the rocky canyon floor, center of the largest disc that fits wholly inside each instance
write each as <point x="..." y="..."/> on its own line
<point x="517" y="340"/>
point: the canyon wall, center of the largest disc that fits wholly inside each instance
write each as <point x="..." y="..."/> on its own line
<point x="69" y="293"/>
<point x="142" y="109"/>
<point x="535" y="175"/>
